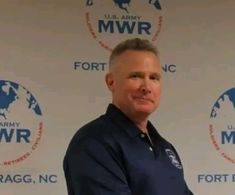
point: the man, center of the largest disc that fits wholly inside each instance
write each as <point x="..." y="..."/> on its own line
<point x="121" y="153"/>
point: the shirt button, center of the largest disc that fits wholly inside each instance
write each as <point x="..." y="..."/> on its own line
<point x="151" y="149"/>
<point x="142" y="135"/>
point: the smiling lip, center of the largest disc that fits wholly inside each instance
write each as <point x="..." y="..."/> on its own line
<point x="144" y="99"/>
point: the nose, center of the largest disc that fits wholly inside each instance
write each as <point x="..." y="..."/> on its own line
<point x="145" y="86"/>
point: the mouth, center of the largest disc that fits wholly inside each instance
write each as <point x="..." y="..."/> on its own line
<point x="144" y="99"/>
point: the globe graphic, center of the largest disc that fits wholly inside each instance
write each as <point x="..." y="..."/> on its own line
<point x="20" y="123"/>
<point x="10" y="93"/>
<point x="222" y="125"/>
<point x="224" y="104"/>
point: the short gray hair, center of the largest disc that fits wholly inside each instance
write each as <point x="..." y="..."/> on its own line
<point x="136" y="44"/>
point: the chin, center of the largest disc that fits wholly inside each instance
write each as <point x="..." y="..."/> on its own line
<point x="145" y="109"/>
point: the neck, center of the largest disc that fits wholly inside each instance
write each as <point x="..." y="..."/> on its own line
<point x="141" y="123"/>
<point x="140" y="119"/>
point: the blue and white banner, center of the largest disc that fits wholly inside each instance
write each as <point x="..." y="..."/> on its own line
<point x="53" y="59"/>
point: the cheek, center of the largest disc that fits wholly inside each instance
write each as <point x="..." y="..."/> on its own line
<point x="133" y="85"/>
<point x="122" y="89"/>
<point x="128" y="88"/>
<point x="132" y="90"/>
<point x="157" y="91"/>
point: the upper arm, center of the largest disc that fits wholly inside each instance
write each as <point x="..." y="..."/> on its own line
<point x="92" y="169"/>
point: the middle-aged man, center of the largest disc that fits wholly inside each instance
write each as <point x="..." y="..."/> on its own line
<point x="121" y="153"/>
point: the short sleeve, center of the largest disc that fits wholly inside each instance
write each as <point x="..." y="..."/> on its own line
<point x="91" y="169"/>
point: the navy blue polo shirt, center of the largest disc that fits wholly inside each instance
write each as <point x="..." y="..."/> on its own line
<point x="111" y="156"/>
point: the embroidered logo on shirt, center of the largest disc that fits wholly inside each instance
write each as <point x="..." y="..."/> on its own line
<point x="173" y="158"/>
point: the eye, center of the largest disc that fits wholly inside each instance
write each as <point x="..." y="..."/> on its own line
<point x="155" y="77"/>
<point x="135" y="75"/>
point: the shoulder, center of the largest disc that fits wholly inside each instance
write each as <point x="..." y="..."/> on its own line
<point x="100" y="131"/>
<point x="97" y="128"/>
<point x="95" y="140"/>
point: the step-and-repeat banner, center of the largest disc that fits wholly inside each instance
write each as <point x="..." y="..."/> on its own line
<point x="53" y="59"/>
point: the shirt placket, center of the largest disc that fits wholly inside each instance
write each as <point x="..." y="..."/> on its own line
<point x="144" y="137"/>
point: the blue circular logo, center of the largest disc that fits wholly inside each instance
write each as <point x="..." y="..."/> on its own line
<point x="222" y="125"/>
<point x="21" y="126"/>
<point x="111" y="21"/>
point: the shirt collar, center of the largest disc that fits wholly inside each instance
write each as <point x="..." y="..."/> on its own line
<point x="120" y="119"/>
<point x="153" y="131"/>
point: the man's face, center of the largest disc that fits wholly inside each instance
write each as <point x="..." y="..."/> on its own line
<point x="135" y="82"/>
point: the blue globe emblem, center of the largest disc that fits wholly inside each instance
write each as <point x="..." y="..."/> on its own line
<point x="222" y="125"/>
<point x="109" y="21"/>
<point x="21" y="124"/>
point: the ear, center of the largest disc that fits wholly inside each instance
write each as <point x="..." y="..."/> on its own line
<point x="109" y="81"/>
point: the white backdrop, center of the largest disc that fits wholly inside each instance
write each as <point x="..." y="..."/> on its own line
<point x="42" y="41"/>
